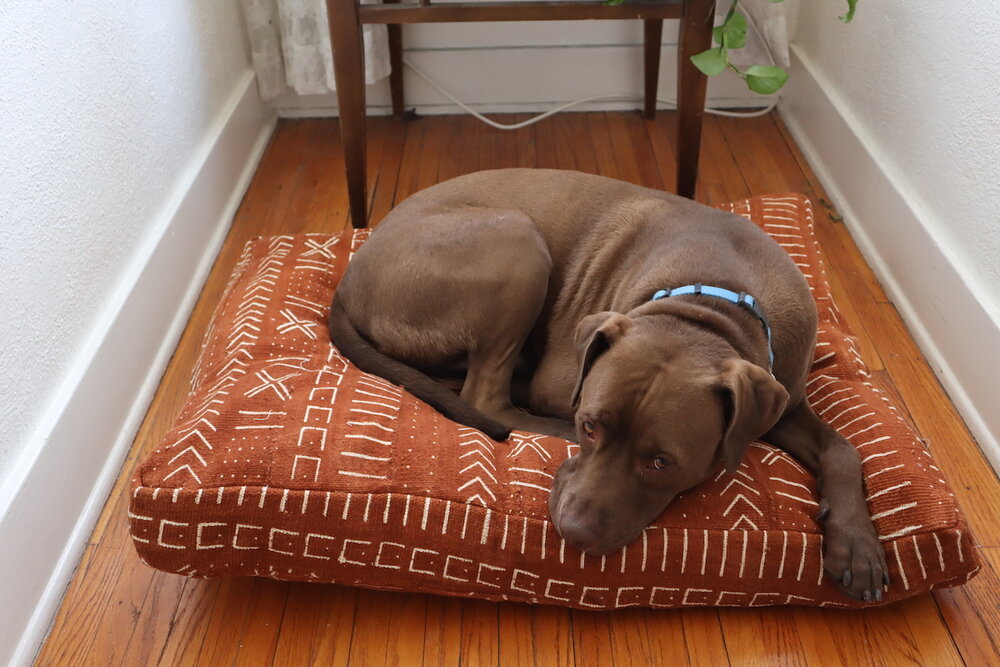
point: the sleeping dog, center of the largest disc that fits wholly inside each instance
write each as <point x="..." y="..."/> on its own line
<point x="662" y="335"/>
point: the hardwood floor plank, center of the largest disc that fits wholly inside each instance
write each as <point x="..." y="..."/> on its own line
<point x="517" y="641"/>
<point x="337" y="608"/>
<point x="604" y="152"/>
<point x="505" y="155"/>
<point x="526" y="153"/>
<point x="370" y="638"/>
<point x="632" y="150"/>
<point x="723" y="180"/>
<point x="545" y="145"/>
<point x="100" y="616"/>
<point x="410" y="165"/>
<point x="552" y="633"/>
<point x="933" y="641"/>
<point x="662" y="133"/>
<point x="821" y="635"/>
<point x="443" y="632"/>
<point x="972" y="612"/>
<point x="592" y="638"/>
<point x="665" y="629"/>
<point x="435" y="135"/>
<point x="154" y="622"/>
<point x="317" y="625"/>
<point x="756" y="145"/>
<point x="264" y="616"/>
<point x="190" y="622"/>
<point x="383" y="192"/>
<point x="629" y="637"/>
<point x="407" y="630"/>
<point x="761" y="636"/>
<point x="579" y="137"/>
<point x="563" y="139"/>
<point x="450" y="162"/>
<point x="480" y="633"/>
<point x="703" y="637"/>
<point x="226" y="624"/>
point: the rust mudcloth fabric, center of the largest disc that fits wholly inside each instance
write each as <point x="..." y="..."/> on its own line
<point x="288" y="462"/>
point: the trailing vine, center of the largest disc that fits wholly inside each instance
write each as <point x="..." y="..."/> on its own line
<point x="732" y="34"/>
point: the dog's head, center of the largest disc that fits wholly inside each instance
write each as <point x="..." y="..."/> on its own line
<point x="655" y="415"/>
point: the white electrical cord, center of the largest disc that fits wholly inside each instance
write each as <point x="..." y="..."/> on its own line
<point x="604" y="98"/>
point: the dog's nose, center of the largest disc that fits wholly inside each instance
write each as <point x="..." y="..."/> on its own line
<point x="581" y="534"/>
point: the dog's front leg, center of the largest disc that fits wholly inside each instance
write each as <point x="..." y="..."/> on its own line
<point x="854" y="556"/>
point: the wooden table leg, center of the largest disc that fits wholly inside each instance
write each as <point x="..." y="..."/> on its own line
<point x="395" y="35"/>
<point x="395" y="32"/>
<point x="652" y="37"/>
<point x="349" y="73"/>
<point x="695" y="37"/>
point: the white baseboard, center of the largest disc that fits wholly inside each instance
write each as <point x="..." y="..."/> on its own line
<point x="70" y="464"/>
<point x="527" y="79"/>
<point x="933" y="291"/>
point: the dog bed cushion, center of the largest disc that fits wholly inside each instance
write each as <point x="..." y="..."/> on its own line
<point x="288" y="462"/>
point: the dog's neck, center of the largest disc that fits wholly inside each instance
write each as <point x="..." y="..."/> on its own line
<point x="741" y="299"/>
<point x="737" y="330"/>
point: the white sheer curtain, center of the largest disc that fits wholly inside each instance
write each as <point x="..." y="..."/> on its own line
<point x="771" y="36"/>
<point x="290" y="47"/>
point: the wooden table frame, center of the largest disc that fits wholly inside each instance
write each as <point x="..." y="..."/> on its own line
<point x="346" y="18"/>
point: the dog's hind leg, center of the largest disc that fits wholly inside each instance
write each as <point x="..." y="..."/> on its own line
<point x="464" y="285"/>
<point x="487" y="388"/>
<point x="517" y="295"/>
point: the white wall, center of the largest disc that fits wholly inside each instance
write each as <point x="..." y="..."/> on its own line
<point x="527" y="66"/>
<point x="100" y="109"/>
<point x="898" y="113"/>
<point x="127" y="133"/>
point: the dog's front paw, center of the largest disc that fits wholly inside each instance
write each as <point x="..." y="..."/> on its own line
<point x="854" y="557"/>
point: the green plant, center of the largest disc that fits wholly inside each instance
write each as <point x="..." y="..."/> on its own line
<point x="732" y="34"/>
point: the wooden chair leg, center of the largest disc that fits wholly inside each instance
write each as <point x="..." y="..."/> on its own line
<point x="396" y="75"/>
<point x="395" y="32"/>
<point x="652" y="37"/>
<point x="695" y="37"/>
<point x="349" y="73"/>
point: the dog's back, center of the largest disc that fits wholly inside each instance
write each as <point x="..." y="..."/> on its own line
<point x="613" y="244"/>
<point x="610" y="245"/>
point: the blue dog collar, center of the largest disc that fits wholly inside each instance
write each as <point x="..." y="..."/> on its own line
<point x="738" y="298"/>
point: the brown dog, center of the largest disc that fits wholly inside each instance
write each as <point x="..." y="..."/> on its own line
<point x="556" y="271"/>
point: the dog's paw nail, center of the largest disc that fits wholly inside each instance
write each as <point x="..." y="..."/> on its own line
<point x="868" y="595"/>
<point x="847" y="578"/>
<point x="824" y="511"/>
<point x="878" y="594"/>
<point x="885" y="578"/>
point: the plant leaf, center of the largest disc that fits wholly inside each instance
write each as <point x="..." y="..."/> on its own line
<point x="731" y="33"/>
<point x="711" y="61"/>
<point x="614" y="3"/>
<point x="765" y="79"/>
<point x="716" y="32"/>
<point x="849" y="16"/>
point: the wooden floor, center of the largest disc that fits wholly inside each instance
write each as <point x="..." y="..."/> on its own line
<point x="117" y="611"/>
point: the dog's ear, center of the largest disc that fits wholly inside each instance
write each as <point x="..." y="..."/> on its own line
<point x="755" y="402"/>
<point x="595" y="334"/>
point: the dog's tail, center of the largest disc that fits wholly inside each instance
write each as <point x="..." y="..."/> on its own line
<point x="366" y="357"/>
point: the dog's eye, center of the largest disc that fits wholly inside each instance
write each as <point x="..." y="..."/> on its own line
<point x="588" y="428"/>
<point x="660" y="462"/>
